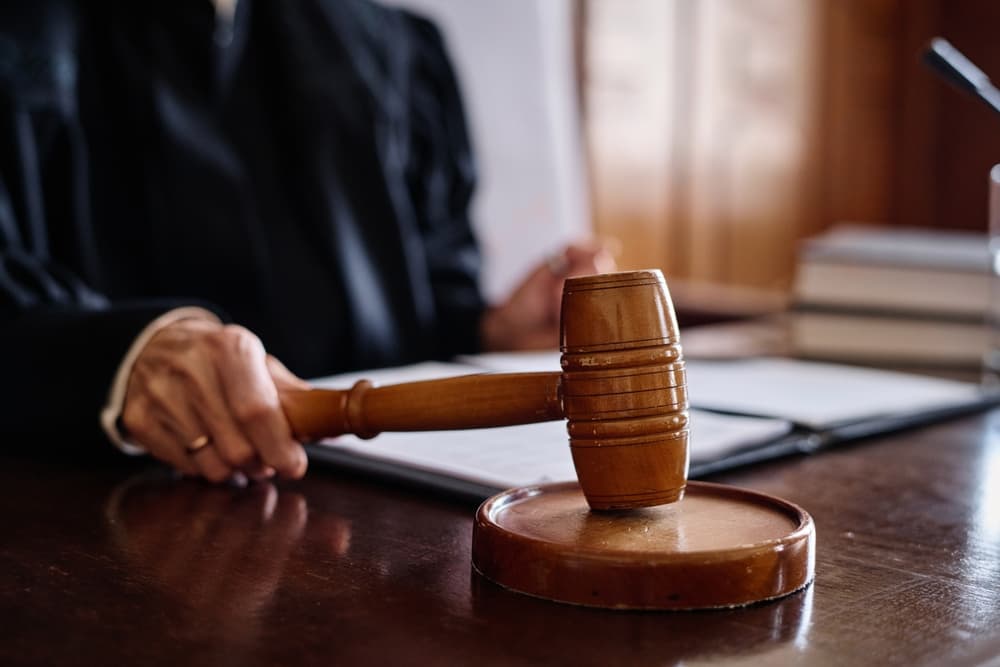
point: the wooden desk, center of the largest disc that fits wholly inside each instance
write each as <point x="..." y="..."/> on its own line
<point x="119" y="565"/>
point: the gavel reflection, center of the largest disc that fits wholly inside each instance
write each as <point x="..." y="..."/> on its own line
<point x="622" y="390"/>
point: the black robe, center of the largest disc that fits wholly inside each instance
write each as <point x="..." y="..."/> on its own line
<point x="304" y="170"/>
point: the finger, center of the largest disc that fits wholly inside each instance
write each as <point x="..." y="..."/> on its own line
<point x="612" y="250"/>
<point x="185" y="422"/>
<point x="582" y="260"/>
<point x="591" y="246"/>
<point x="210" y="464"/>
<point x="259" y="472"/>
<point x="571" y="262"/>
<point x="172" y="396"/>
<point x="177" y="374"/>
<point x="169" y="394"/>
<point x="253" y="400"/>
<point x="205" y="411"/>
<point x="145" y="428"/>
<point x="592" y="256"/>
<point x="205" y="460"/>
<point x="227" y="451"/>
<point x="204" y="371"/>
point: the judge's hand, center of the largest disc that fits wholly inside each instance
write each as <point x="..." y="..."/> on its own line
<point x="204" y="398"/>
<point x="529" y="318"/>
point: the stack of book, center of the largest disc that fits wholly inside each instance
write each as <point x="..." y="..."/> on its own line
<point x="893" y="295"/>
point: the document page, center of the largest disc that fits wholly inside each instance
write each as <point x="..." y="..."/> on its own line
<point x="498" y="458"/>
<point x="819" y="396"/>
<point x="774" y="394"/>
<point x="815" y="395"/>
<point x="534" y="453"/>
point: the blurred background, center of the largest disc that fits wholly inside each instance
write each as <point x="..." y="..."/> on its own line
<point x="710" y="136"/>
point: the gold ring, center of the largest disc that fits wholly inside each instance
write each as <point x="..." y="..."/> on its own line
<point x="198" y="444"/>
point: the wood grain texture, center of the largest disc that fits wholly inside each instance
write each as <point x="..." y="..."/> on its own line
<point x="471" y="401"/>
<point x="718" y="546"/>
<point x="622" y="389"/>
<point x="722" y="132"/>
<point x="117" y="565"/>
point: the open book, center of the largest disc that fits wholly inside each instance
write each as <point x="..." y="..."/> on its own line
<point x="742" y="411"/>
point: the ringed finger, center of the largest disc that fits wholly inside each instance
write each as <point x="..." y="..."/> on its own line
<point x="200" y="452"/>
<point x="161" y="442"/>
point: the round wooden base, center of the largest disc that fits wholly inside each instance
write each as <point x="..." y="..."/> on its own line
<point x="719" y="546"/>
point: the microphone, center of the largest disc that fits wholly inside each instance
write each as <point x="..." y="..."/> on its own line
<point x="959" y="71"/>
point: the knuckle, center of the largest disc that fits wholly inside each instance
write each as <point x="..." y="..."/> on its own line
<point x="237" y="337"/>
<point x="230" y="343"/>
<point x="135" y="415"/>
<point x="173" y="377"/>
<point x="221" y="336"/>
<point x="236" y="331"/>
<point x="254" y="411"/>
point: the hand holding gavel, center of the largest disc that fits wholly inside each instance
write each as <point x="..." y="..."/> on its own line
<point x="204" y="397"/>
<point x="622" y="389"/>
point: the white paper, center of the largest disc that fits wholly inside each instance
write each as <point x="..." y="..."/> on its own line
<point x="531" y="197"/>
<point x="818" y="395"/>
<point x="537" y="453"/>
<point x="526" y="454"/>
<point x="812" y="394"/>
<point x="778" y="391"/>
<point x="514" y="362"/>
<point x="427" y="370"/>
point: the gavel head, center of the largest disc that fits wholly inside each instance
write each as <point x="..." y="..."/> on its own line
<point x="624" y="390"/>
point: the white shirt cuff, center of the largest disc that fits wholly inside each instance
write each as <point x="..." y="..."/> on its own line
<point x="112" y="410"/>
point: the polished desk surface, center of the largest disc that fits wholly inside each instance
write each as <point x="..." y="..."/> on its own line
<point x="121" y="564"/>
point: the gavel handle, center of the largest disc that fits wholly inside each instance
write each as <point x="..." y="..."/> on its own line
<point x="469" y="401"/>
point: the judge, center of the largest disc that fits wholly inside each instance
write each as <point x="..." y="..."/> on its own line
<point x="201" y="203"/>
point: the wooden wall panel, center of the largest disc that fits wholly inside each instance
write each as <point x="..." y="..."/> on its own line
<point x="859" y="113"/>
<point x="629" y="115"/>
<point x="734" y="128"/>
<point x="966" y="134"/>
<point x="915" y="181"/>
<point x="723" y="164"/>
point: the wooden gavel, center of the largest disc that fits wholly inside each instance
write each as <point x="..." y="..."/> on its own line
<point x="622" y="390"/>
